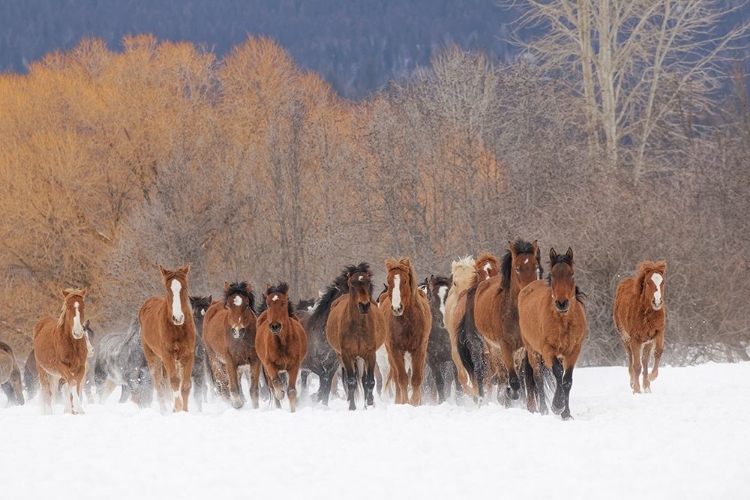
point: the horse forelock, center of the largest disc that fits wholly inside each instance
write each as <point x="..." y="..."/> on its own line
<point x="506" y="267"/>
<point x="240" y="288"/>
<point x="71" y="294"/>
<point x="647" y="267"/>
<point x="405" y="266"/>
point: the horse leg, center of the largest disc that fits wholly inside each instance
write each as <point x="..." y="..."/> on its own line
<point x="106" y="388"/>
<point x="658" y="350"/>
<point x="570" y="362"/>
<point x="626" y="344"/>
<point x="349" y="364"/>
<point x="326" y="379"/>
<point x="186" y="379"/>
<point x="558" y="402"/>
<point x="254" y="382"/>
<point x="46" y="384"/>
<point x="645" y="358"/>
<point x="514" y="385"/>
<point x="437" y="373"/>
<point x="303" y="374"/>
<point x="125" y="392"/>
<point x="531" y="388"/>
<point x="368" y="379"/>
<point x="234" y="384"/>
<point x="399" y="376"/>
<point x="417" y="375"/>
<point x="635" y="352"/>
<point x="157" y="373"/>
<point x="462" y="377"/>
<point x="291" y="388"/>
<point x="384" y="366"/>
<point x="275" y="385"/>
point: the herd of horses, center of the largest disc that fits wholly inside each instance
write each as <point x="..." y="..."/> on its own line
<point x="492" y="322"/>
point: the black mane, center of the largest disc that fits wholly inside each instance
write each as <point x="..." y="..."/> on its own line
<point x="437" y="282"/>
<point x="339" y="287"/>
<point x="362" y="267"/>
<point x="521" y="247"/>
<point x="240" y="289"/>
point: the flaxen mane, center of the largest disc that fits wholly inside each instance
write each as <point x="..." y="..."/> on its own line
<point x="462" y="270"/>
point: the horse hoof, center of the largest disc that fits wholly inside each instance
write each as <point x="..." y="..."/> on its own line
<point x="513" y="393"/>
<point x="567" y="416"/>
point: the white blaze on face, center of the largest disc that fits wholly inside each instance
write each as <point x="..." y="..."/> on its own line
<point x="275" y="298"/>
<point x="177" y="314"/>
<point x="77" y="326"/>
<point x="203" y="312"/>
<point x="657" y="279"/>
<point x="237" y="300"/>
<point x="442" y="292"/>
<point x="396" y="294"/>
<point x="487" y="268"/>
<point x="526" y="261"/>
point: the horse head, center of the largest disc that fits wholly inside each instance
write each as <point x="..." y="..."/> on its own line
<point x="176" y="284"/>
<point x="239" y="300"/>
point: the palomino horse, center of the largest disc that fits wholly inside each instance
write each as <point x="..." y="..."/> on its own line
<point x="60" y="349"/>
<point x="439" y="345"/>
<point x="321" y="359"/>
<point x="229" y="335"/>
<point x="640" y="317"/>
<point x="473" y="352"/>
<point x="168" y="337"/>
<point x="408" y="324"/>
<point x="495" y="311"/>
<point x="356" y="330"/>
<point x="199" y="305"/>
<point x="552" y="318"/>
<point x="10" y="375"/>
<point x="120" y="361"/>
<point x="281" y="343"/>
<point x="462" y="275"/>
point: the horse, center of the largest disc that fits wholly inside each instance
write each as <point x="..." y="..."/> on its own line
<point x="495" y="306"/>
<point x="408" y="324"/>
<point x="120" y="362"/>
<point x="61" y="352"/>
<point x="10" y="375"/>
<point x="281" y="343"/>
<point x="473" y="352"/>
<point x="31" y="374"/>
<point x="168" y="338"/>
<point x="439" y="344"/>
<point x="553" y="325"/>
<point x="356" y="330"/>
<point x="462" y="275"/>
<point x="199" y="305"/>
<point x="229" y="333"/>
<point x="321" y="359"/>
<point x="640" y="316"/>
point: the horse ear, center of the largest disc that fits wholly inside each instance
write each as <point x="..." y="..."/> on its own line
<point x="186" y="269"/>
<point x="569" y="254"/>
<point x="226" y="286"/>
<point x="552" y="254"/>
<point x="248" y="289"/>
<point x="210" y="299"/>
<point x="268" y="287"/>
<point x="84" y="292"/>
<point x="511" y="248"/>
<point x="65" y="293"/>
<point x="88" y="322"/>
<point x="535" y="247"/>
<point x="162" y="270"/>
<point x="662" y="266"/>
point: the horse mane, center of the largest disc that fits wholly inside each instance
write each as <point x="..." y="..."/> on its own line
<point x="240" y="289"/>
<point x="521" y="247"/>
<point x="404" y="264"/>
<point x="71" y="292"/>
<point x="482" y="260"/>
<point x="441" y="281"/>
<point x="648" y="266"/>
<point x="339" y="287"/>
<point x="284" y="289"/>
<point x="462" y="270"/>
<point x="362" y="267"/>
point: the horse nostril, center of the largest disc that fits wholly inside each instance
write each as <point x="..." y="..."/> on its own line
<point x="364" y="308"/>
<point x="561" y="306"/>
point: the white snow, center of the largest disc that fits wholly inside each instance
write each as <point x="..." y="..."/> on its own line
<point x="689" y="438"/>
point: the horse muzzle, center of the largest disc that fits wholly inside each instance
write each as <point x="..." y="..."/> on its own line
<point x="275" y="328"/>
<point x="78" y="334"/>
<point x="397" y="312"/>
<point x="238" y="333"/>
<point x="562" y="307"/>
<point x="178" y="321"/>
<point x="657" y="306"/>
<point x="364" y="308"/>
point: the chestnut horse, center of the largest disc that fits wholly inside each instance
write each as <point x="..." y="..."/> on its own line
<point x="495" y="305"/>
<point x="281" y="343"/>
<point x="408" y="323"/>
<point x="229" y="336"/>
<point x="355" y="329"/>
<point x="168" y="337"/>
<point x="462" y="275"/>
<point x="61" y="352"/>
<point x="553" y="325"/>
<point x="640" y="317"/>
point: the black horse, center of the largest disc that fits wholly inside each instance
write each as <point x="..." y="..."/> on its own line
<point x="200" y="364"/>
<point x="120" y="361"/>
<point x="439" y="346"/>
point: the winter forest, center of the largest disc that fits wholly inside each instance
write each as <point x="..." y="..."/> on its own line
<point x="622" y="133"/>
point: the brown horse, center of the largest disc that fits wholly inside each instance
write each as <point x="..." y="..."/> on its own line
<point x="229" y="336"/>
<point x="553" y="326"/>
<point x="408" y="324"/>
<point x="495" y="306"/>
<point x="10" y="375"/>
<point x="168" y="338"/>
<point x="281" y="343"/>
<point x="61" y="352"/>
<point x="640" y="316"/>
<point x="485" y="267"/>
<point x="355" y="329"/>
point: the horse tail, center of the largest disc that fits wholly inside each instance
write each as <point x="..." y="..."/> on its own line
<point x="471" y="345"/>
<point x="133" y="330"/>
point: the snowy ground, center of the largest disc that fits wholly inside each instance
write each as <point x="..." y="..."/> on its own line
<point x="690" y="438"/>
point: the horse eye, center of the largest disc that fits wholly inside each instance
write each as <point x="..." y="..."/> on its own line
<point x="518" y="269"/>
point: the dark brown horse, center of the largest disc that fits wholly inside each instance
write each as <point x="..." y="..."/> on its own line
<point x="495" y="305"/>
<point x="10" y="375"/>
<point x="439" y="346"/>
<point x="199" y="305"/>
<point x="168" y="336"/>
<point x="355" y="330"/>
<point x="61" y="352"/>
<point x="281" y="343"/>
<point x="640" y="317"/>
<point x="229" y="336"/>
<point x="408" y="323"/>
<point x="553" y="325"/>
